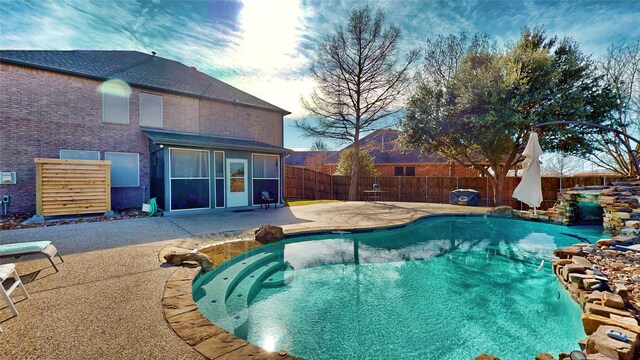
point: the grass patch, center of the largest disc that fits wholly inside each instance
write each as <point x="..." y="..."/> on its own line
<point x="308" y="202"/>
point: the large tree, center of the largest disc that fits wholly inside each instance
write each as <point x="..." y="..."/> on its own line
<point x="621" y="70"/>
<point x="476" y="104"/>
<point x="360" y="77"/>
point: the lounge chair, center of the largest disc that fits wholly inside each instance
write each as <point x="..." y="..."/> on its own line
<point x="267" y="198"/>
<point x="7" y="271"/>
<point x="31" y="248"/>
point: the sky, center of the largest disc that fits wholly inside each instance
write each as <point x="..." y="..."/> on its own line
<point x="264" y="47"/>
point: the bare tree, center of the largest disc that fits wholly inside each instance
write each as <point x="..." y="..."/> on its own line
<point x="621" y="70"/>
<point x="360" y="79"/>
<point x="562" y="165"/>
<point x="319" y="145"/>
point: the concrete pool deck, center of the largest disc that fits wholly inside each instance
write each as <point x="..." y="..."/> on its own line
<point x="106" y="300"/>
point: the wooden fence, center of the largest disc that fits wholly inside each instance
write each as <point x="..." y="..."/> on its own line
<point x="301" y="183"/>
<point x="71" y="187"/>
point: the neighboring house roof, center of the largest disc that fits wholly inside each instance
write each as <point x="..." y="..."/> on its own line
<point x="166" y="137"/>
<point x="137" y="69"/>
<point x="382" y="144"/>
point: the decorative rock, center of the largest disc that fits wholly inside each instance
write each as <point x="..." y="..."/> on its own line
<point x="269" y="233"/>
<point x="612" y="300"/>
<point x="582" y="261"/>
<point x="572" y="268"/>
<point x="567" y="252"/>
<point x="604" y="242"/>
<point x="604" y="310"/>
<point x="487" y="357"/>
<point x="180" y="258"/>
<point x="591" y="322"/>
<point x="624" y="319"/>
<point x="632" y="223"/>
<point x="589" y="298"/>
<point x="502" y="211"/>
<point x="589" y="284"/>
<point x="545" y="356"/>
<point x="599" y="342"/>
<point x="621" y="289"/>
<point x="577" y="279"/>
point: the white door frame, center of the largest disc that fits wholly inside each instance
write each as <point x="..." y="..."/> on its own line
<point x="236" y="199"/>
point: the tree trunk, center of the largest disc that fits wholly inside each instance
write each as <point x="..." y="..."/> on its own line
<point x="498" y="189"/>
<point x="355" y="171"/>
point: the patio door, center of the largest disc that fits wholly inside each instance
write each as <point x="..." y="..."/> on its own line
<point x="237" y="189"/>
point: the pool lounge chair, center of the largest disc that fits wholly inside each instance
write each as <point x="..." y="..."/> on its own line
<point x="8" y="271"/>
<point x="31" y="248"/>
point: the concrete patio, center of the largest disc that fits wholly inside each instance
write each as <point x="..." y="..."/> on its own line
<point x="105" y="301"/>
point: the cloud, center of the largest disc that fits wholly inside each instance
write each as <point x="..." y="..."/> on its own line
<point x="264" y="46"/>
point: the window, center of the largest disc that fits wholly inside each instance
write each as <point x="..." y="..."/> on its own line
<point x="405" y="171"/>
<point x="79" y="154"/>
<point x="266" y="176"/>
<point x="115" y="102"/>
<point x="125" y="169"/>
<point x="266" y="166"/>
<point x="189" y="179"/>
<point x="219" y="178"/>
<point x="151" y="110"/>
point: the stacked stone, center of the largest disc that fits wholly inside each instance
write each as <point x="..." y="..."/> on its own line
<point x="606" y="293"/>
<point x="621" y="208"/>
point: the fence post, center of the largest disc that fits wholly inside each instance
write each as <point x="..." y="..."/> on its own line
<point x="399" y="188"/>
<point x="303" y="183"/>
<point x="315" y="186"/>
<point x="426" y="189"/>
<point x="457" y="183"/>
<point x="604" y="181"/>
<point x="331" y="185"/>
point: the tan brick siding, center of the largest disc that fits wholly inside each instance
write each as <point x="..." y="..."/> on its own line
<point x="42" y="112"/>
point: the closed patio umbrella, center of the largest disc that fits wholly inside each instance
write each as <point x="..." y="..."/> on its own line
<point x="529" y="191"/>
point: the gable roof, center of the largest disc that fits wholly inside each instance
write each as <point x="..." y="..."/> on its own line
<point x="137" y="69"/>
<point x="382" y="144"/>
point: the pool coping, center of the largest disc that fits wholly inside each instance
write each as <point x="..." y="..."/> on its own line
<point x="184" y="317"/>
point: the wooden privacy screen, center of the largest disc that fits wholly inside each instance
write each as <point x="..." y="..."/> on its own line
<point x="71" y="187"/>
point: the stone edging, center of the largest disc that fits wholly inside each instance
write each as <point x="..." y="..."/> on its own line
<point x="603" y="310"/>
<point x="186" y="320"/>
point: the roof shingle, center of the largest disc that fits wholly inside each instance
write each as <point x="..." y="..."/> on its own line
<point x="137" y="69"/>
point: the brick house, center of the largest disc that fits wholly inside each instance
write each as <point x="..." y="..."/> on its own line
<point x="170" y="131"/>
<point x="389" y="159"/>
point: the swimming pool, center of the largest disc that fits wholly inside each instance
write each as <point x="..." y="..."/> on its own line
<point x="440" y="288"/>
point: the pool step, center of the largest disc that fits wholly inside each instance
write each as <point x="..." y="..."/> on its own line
<point x="280" y="278"/>
<point x="244" y="292"/>
<point x="218" y="286"/>
<point x="238" y="303"/>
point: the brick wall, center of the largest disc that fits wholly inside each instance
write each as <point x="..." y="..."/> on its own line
<point x="240" y="121"/>
<point x="428" y="169"/>
<point x="42" y="112"/>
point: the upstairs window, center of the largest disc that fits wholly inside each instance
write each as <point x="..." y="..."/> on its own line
<point x="405" y="171"/>
<point x="151" y="110"/>
<point x="115" y="102"/>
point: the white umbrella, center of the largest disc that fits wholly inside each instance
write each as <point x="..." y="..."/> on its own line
<point x="529" y="191"/>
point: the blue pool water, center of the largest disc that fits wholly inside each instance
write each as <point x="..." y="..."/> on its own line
<point x="441" y="288"/>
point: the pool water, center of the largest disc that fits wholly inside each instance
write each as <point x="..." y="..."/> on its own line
<point x="441" y="288"/>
